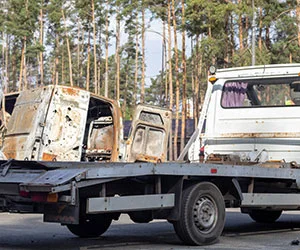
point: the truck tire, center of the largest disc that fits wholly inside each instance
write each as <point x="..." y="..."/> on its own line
<point x="264" y="216"/>
<point x="202" y="216"/>
<point x="91" y="227"/>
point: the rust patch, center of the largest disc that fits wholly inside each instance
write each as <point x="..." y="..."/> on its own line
<point x="148" y="158"/>
<point x="70" y="91"/>
<point x="48" y="157"/>
<point x="102" y="138"/>
<point x="261" y="135"/>
<point x="10" y="155"/>
<point x="272" y="164"/>
<point x="10" y="147"/>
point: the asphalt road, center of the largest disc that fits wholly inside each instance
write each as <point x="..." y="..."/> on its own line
<point x="24" y="232"/>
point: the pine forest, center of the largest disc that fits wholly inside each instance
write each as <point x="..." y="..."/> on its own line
<point x="79" y="43"/>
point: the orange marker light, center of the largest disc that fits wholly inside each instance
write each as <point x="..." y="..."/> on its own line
<point x="212" y="79"/>
<point x="52" y="197"/>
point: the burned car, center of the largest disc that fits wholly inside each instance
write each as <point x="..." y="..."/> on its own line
<point x="61" y="123"/>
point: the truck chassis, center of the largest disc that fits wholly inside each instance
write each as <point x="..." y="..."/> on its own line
<point x="87" y="196"/>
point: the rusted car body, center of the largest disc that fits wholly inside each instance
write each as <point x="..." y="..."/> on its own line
<point x="148" y="140"/>
<point x="60" y="123"/>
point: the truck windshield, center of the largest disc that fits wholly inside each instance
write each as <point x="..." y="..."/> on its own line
<point x="270" y="92"/>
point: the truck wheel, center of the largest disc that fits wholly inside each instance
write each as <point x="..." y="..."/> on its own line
<point x="202" y="215"/>
<point x="264" y="216"/>
<point x="91" y="227"/>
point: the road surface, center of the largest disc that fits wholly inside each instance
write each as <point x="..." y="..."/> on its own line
<point x="23" y="232"/>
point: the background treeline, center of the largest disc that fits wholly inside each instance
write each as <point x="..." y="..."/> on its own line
<point x="67" y="42"/>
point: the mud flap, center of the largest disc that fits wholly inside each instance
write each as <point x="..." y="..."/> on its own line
<point x="61" y="213"/>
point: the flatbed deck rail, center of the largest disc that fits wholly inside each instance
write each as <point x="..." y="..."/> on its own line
<point x="158" y="190"/>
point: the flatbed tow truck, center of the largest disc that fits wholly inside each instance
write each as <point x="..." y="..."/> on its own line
<point x="244" y="154"/>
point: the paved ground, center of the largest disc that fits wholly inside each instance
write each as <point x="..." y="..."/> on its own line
<point x="24" y="232"/>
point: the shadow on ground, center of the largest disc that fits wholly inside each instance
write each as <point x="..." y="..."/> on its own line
<point x="32" y="233"/>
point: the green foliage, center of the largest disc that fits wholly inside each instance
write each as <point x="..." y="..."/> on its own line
<point x="20" y="18"/>
<point x="214" y="24"/>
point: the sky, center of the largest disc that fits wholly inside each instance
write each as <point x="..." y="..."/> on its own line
<point x="153" y="47"/>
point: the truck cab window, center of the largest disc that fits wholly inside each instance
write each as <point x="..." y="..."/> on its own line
<point x="273" y="92"/>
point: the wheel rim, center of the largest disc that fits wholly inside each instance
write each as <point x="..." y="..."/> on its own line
<point x="205" y="214"/>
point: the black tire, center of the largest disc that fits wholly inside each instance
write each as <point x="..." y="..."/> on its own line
<point x="94" y="226"/>
<point x="202" y="215"/>
<point x="264" y="216"/>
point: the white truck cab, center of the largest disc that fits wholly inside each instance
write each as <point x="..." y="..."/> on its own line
<point x="251" y="114"/>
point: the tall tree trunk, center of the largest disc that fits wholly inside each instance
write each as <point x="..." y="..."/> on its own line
<point x="41" y="55"/>
<point x="25" y="68"/>
<point x="209" y="24"/>
<point x="14" y="68"/>
<point x="106" y="49"/>
<point x="298" y="20"/>
<point x="78" y="52"/>
<point x="88" y="61"/>
<point x="136" y="73"/>
<point x="95" y="49"/>
<point x="162" y="84"/>
<point x="22" y="63"/>
<point x="52" y="70"/>
<point x="199" y="74"/>
<point x="81" y="52"/>
<point x="260" y="30"/>
<point x="246" y="31"/>
<point x="56" y="60"/>
<point x="23" y="60"/>
<point x="177" y="82"/>
<point x="268" y="40"/>
<point x="7" y="78"/>
<point x="99" y="76"/>
<point x="193" y="78"/>
<point x="117" y="55"/>
<point x="3" y="51"/>
<point x="143" y="54"/>
<point x="196" y="104"/>
<point x="170" y="77"/>
<point x="232" y="37"/>
<point x="4" y="61"/>
<point x="227" y="40"/>
<point x="240" y="21"/>
<point x="69" y="50"/>
<point x="63" y="81"/>
<point x="99" y="61"/>
<point x="125" y="96"/>
<point x="183" y="112"/>
<point x="165" y="60"/>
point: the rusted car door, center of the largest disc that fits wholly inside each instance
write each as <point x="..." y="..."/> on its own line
<point x="47" y="124"/>
<point x="25" y="126"/>
<point x="148" y="140"/>
<point x="65" y="125"/>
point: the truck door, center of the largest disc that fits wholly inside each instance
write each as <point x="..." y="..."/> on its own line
<point x="148" y="139"/>
<point x="257" y="119"/>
